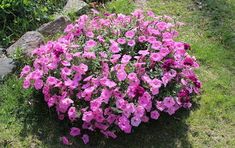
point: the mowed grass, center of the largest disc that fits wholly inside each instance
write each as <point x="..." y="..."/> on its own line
<point x="25" y="120"/>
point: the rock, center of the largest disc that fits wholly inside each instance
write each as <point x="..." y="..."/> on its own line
<point x="6" y="66"/>
<point x="27" y="43"/>
<point x="77" y="6"/>
<point x="53" y="27"/>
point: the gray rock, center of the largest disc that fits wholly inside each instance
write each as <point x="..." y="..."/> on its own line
<point x="53" y="27"/>
<point x="27" y="43"/>
<point x="6" y="66"/>
<point x="77" y="6"/>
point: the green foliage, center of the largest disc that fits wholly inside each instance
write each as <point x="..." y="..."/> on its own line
<point x="20" y="60"/>
<point x="19" y="16"/>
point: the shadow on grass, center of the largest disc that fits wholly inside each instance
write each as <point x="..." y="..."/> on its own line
<point x="168" y="131"/>
<point x="42" y="123"/>
<point x="221" y="15"/>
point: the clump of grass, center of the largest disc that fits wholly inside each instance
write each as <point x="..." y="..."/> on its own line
<point x="13" y="103"/>
<point x="120" y="6"/>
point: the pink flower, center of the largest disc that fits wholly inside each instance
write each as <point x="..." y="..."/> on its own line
<point x="72" y="113"/>
<point x="156" y="45"/>
<point x="121" y="75"/>
<point x="109" y="83"/>
<point x="173" y="109"/>
<point x="142" y="39"/>
<point x="156" y="57"/>
<point x="90" y="34"/>
<point x="64" y="104"/>
<point x="114" y="48"/>
<point x="65" y="140"/>
<point x="89" y="55"/>
<point x="101" y="126"/>
<point x="121" y="41"/>
<point x="167" y="77"/>
<point x="101" y="39"/>
<point x="26" y="84"/>
<point x="132" y="76"/>
<point x="156" y="83"/>
<point x="154" y="31"/>
<point x="167" y="36"/>
<point x="111" y="118"/>
<point x="69" y="28"/>
<point x="25" y="70"/>
<point x="160" y="105"/>
<point x="169" y="102"/>
<point x="145" y="119"/>
<point x="66" y="71"/>
<point x="98" y="115"/>
<point x="187" y="105"/>
<point x="154" y="90"/>
<point x="164" y="51"/>
<point x="95" y="104"/>
<point x="143" y="52"/>
<point x="74" y="131"/>
<point x="83" y="68"/>
<point x="90" y="43"/>
<point x="51" y="101"/>
<point x="68" y="82"/>
<point x="87" y="93"/>
<point x="77" y="54"/>
<point x="152" y="39"/>
<point x="125" y="59"/>
<point x="130" y="34"/>
<point x="135" y="121"/>
<point x="115" y="58"/>
<point x="131" y="43"/>
<point x="121" y="104"/>
<point x="161" y="26"/>
<point x="124" y="124"/>
<point x="103" y="54"/>
<point x="51" y="81"/>
<point x="138" y="13"/>
<point x="139" y="111"/>
<point x="65" y="63"/>
<point x="87" y="116"/>
<point x="85" y="138"/>
<point x="105" y="95"/>
<point x="38" y="84"/>
<point x="154" y="114"/>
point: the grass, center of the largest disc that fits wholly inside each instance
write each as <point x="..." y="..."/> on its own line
<point x="25" y="122"/>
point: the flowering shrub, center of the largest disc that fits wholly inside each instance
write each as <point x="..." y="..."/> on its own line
<point x="111" y="72"/>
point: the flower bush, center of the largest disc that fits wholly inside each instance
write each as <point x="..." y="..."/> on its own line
<point x="111" y="72"/>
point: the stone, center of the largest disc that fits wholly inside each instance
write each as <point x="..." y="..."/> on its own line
<point x="75" y="6"/>
<point x="53" y="27"/>
<point x="6" y="66"/>
<point x="27" y="43"/>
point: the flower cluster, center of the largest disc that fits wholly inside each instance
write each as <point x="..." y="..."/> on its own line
<point x="111" y="72"/>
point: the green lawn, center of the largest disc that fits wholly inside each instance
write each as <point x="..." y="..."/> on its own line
<point x="210" y="29"/>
